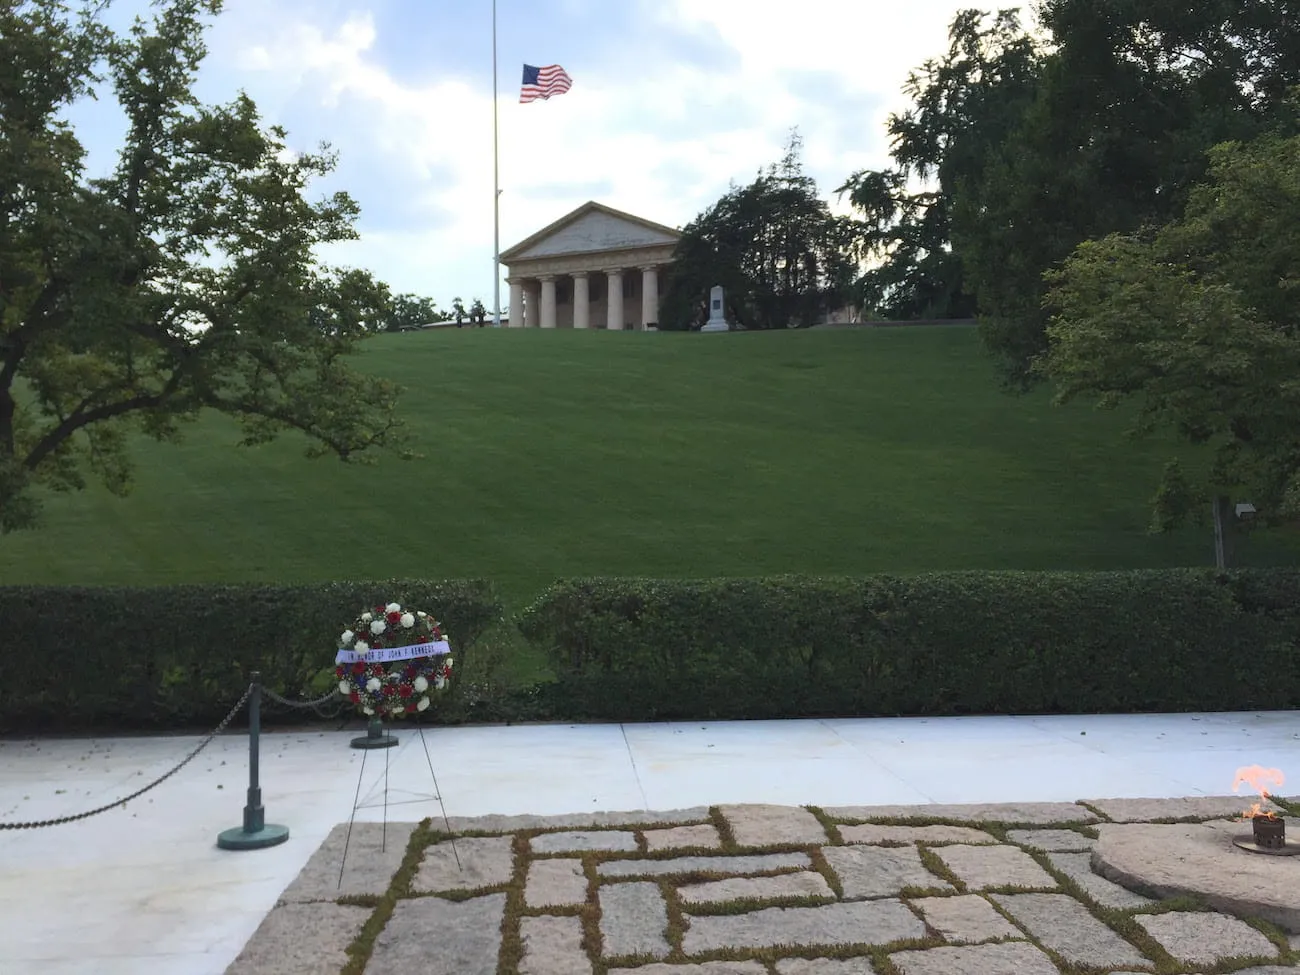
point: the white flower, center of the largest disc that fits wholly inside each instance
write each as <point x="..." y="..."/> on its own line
<point x="367" y="710"/>
<point x="378" y="627"/>
<point x="424" y="703"/>
<point x="420" y="684"/>
<point x="392" y="608"/>
<point x="373" y="684"/>
<point x="366" y="617"/>
<point x="421" y="613"/>
<point x="440" y="682"/>
<point x="449" y="663"/>
<point x="345" y="687"/>
<point x="362" y="646"/>
<point x="346" y="638"/>
<point x="396" y="709"/>
<point x="408" y="621"/>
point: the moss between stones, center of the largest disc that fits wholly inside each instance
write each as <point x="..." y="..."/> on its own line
<point x="828" y="824"/>
<point x="400" y="886"/>
<point x="930" y="860"/>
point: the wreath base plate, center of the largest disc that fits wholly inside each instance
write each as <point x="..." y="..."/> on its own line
<point x="375" y="737"/>
<point x="258" y="839"/>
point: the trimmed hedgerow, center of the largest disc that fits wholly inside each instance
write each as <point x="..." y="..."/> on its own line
<point x="177" y="656"/>
<point x="934" y="644"/>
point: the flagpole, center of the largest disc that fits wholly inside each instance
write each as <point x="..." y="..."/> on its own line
<point x="496" y="189"/>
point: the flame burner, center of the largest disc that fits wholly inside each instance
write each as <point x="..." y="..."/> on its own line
<point x="1269" y="831"/>
<point x="1268" y="836"/>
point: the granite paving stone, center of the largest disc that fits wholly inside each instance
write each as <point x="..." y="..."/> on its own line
<point x="552" y="946"/>
<point x="982" y="867"/>
<point x="872" y="833"/>
<point x="965" y="919"/>
<point x="860" y="922"/>
<point x="877" y="871"/>
<point x="301" y="939"/>
<point x="1205" y="939"/>
<point x="606" y="840"/>
<point x="633" y="918"/>
<point x="1008" y="958"/>
<point x="374" y="854"/>
<point x="825" y="966"/>
<point x="764" y="825"/>
<point x="700" y="968"/>
<point x="704" y="836"/>
<point x="558" y="882"/>
<point x="433" y="936"/>
<point x="484" y="861"/>
<point x="803" y="884"/>
<point x="1011" y="813"/>
<point x="1198" y="807"/>
<point x="1051" y="840"/>
<point x="704" y="864"/>
<point x="1078" y="867"/>
<point x="1065" y="926"/>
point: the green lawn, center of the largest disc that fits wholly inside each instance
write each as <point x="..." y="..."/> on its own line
<point x="563" y="453"/>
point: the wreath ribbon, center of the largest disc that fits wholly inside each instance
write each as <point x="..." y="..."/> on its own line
<point x="393" y="653"/>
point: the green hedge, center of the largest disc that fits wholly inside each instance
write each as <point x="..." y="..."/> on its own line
<point x="179" y="656"/>
<point x="935" y="644"/>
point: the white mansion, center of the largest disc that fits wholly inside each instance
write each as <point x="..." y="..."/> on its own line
<point x="596" y="267"/>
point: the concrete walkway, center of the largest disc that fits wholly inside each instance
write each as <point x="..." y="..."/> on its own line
<point x="144" y="889"/>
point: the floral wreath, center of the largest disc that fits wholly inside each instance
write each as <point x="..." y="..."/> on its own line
<point x="391" y="660"/>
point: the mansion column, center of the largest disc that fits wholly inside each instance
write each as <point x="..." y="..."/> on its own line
<point x="532" y="303"/>
<point x="581" y="300"/>
<point x="649" y="296"/>
<point x="614" y="300"/>
<point x="548" y="301"/>
<point x="516" y="302"/>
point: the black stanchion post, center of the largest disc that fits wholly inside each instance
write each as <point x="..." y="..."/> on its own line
<point x="256" y="833"/>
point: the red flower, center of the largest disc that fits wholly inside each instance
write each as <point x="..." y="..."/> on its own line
<point x="425" y="639"/>
<point x="410" y="672"/>
<point x="356" y="698"/>
<point x="410" y="708"/>
<point x="359" y="667"/>
<point x="405" y="690"/>
<point x="394" y="618"/>
<point x="376" y="645"/>
<point x="389" y="690"/>
<point x="437" y="633"/>
<point x="377" y="670"/>
<point x="379" y="611"/>
<point x="339" y="671"/>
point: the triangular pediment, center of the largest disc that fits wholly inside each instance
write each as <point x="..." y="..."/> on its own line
<point x="591" y="228"/>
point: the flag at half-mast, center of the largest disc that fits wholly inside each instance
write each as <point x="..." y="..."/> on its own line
<point x="544" y="82"/>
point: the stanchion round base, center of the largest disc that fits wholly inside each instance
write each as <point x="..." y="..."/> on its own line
<point x="374" y="741"/>
<point x="268" y="835"/>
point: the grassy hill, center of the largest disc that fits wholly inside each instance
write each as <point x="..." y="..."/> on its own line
<point x="564" y="453"/>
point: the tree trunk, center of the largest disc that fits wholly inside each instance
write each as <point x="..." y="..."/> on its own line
<point x="1223" y="528"/>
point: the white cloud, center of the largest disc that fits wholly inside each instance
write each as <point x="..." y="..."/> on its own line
<point x="665" y="142"/>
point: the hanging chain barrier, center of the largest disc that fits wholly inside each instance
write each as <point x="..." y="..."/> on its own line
<point x="315" y="705"/>
<point x="225" y="722"/>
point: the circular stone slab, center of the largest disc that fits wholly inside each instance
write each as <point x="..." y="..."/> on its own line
<point x="1201" y="859"/>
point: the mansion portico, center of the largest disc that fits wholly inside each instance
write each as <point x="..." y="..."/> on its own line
<point x="597" y="267"/>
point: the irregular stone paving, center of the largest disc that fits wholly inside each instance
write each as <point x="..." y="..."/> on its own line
<point x="925" y="890"/>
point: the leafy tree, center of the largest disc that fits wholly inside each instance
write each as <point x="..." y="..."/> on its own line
<point x="458" y="311"/>
<point x="184" y="281"/>
<point x="1129" y="100"/>
<point x="1198" y="322"/>
<point x="477" y="313"/>
<point x="963" y="104"/>
<point x="411" y="311"/>
<point x="779" y="253"/>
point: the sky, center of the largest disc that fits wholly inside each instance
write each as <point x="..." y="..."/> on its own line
<point x="672" y="101"/>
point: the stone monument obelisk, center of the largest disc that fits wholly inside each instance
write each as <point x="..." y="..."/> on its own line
<point x="717" y="312"/>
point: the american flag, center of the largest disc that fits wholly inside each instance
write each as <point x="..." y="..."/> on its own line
<point x="544" y="82"/>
